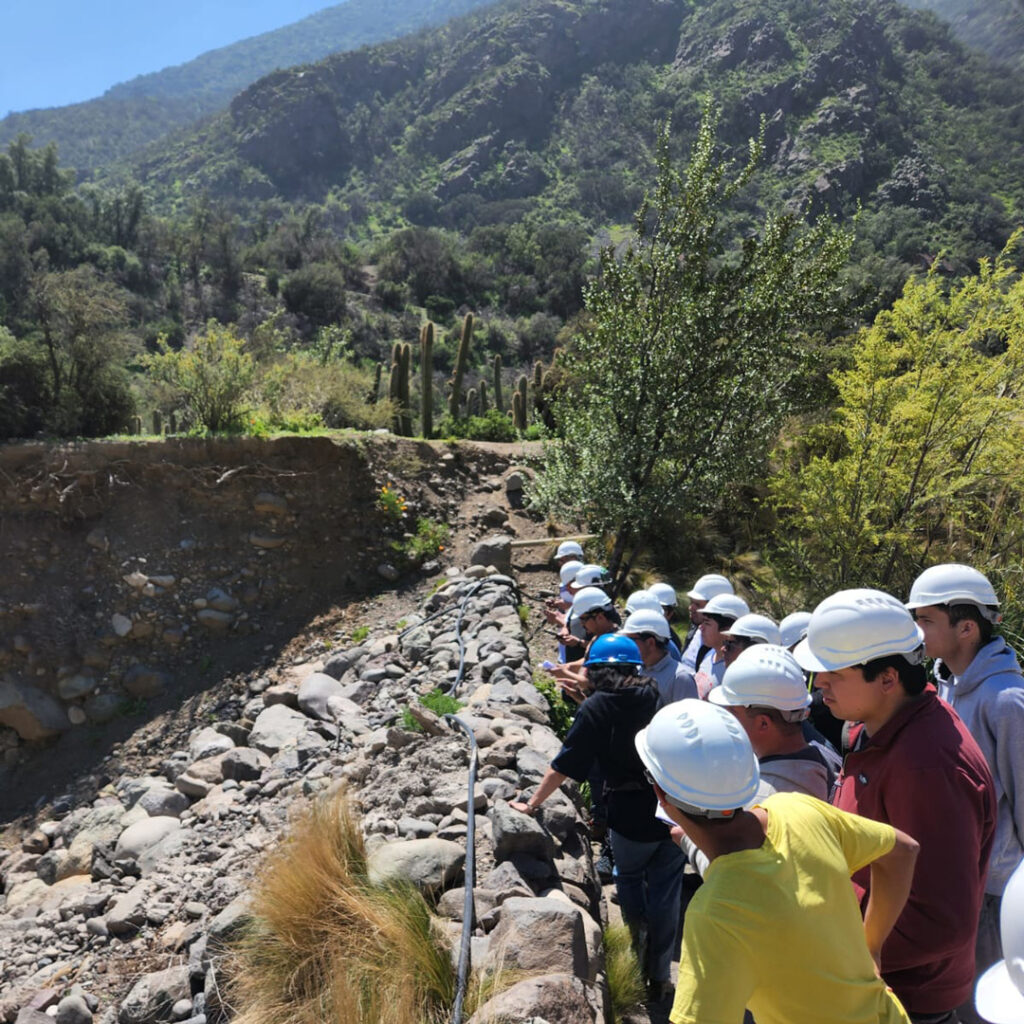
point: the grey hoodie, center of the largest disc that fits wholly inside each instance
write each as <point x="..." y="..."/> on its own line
<point x="989" y="697"/>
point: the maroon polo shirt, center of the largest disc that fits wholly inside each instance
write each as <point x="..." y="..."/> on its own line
<point x="923" y="773"/>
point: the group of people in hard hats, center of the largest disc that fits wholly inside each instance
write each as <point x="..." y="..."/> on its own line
<point x="876" y="886"/>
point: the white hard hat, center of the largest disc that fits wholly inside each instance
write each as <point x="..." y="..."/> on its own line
<point x="955" y="584"/>
<point x="647" y="621"/>
<point x="853" y="627"/>
<point x="588" y="599"/>
<point x="765" y="676"/>
<point x="569" y="547"/>
<point x="665" y="593"/>
<point x="589" y="575"/>
<point x="757" y="627"/>
<point x="708" y="585"/>
<point x="700" y="756"/>
<point x="729" y="606"/>
<point x="999" y="997"/>
<point x="642" y="599"/>
<point x="793" y="628"/>
<point x="568" y="572"/>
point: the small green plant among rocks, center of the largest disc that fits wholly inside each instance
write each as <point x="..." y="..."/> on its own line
<point x="437" y="701"/>
<point x="391" y="503"/>
<point x="561" y="710"/>
<point x="360" y="633"/>
<point x="427" y="542"/>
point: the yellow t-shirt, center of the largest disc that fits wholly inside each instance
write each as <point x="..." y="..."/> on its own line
<point x="778" y="929"/>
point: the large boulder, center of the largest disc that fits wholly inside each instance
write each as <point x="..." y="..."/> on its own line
<point x="138" y="838"/>
<point x="143" y="681"/>
<point x="153" y="996"/>
<point x="541" y="935"/>
<point x="515" y="834"/>
<point x="555" y="998"/>
<point x="208" y="742"/>
<point x="129" y="910"/>
<point x="495" y="550"/>
<point x="32" y="714"/>
<point x="279" y="726"/>
<point x="432" y="865"/>
<point x="314" y="692"/>
<point x="244" y="764"/>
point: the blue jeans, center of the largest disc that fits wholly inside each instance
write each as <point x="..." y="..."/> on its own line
<point x="648" y="877"/>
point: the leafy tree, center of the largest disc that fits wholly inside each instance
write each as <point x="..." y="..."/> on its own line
<point x="24" y="391"/>
<point x="922" y="457"/>
<point x="678" y="379"/>
<point x="318" y="292"/>
<point x="82" y="320"/>
<point x="212" y="376"/>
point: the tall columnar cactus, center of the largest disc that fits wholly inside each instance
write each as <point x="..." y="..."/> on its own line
<point x="471" y="402"/>
<point x="538" y="375"/>
<point x="461" y="360"/>
<point x="375" y="393"/>
<point x="158" y="423"/>
<point x="405" y="373"/>
<point x="427" y="379"/>
<point x="136" y="425"/>
<point x="519" y="404"/>
<point x="395" y="392"/>
<point x="172" y="423"/>
<point x="499" y="403"/>
<point x="482" y="395"/>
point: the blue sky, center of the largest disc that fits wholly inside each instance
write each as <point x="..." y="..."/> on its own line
<point x="54" y="52"/>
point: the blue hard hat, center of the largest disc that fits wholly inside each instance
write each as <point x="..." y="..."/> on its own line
<point x="613" y="649"/>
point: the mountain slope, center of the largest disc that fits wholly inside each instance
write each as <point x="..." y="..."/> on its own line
<point x="551" y="106"/>
<point x="995" y="26"/>
<point x="130" y="115"/>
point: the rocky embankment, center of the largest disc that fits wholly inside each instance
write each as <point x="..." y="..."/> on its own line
<point x="122" y="909"/>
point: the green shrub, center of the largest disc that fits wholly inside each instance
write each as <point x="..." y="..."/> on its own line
<point x="492" y="426"/>
<point x="317" y="291"/>
<point x="298" y="385"/>
<point x="212" y="377"/>
<point x="427" y="542"/>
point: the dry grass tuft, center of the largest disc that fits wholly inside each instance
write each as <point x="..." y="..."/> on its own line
<point x="326" y="945"/>
<point x="622" y="970"/>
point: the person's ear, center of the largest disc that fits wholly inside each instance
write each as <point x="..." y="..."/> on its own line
<point x="890" y="679"/>
<point x="968" y="631"/>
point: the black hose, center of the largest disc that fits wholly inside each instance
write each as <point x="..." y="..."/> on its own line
<point x="466" y="942"/>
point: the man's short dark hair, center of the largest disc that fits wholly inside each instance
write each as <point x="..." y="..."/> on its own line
<point x="962" y="612"/>
<point x="611" y="613"/>
<point x="913" y="678"/>
<point x="722" y="621"/>
<point x="786" y="727"/>
<point x="659" y="642"/>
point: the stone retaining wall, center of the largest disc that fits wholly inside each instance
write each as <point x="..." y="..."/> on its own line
<point x="157" y="866"/>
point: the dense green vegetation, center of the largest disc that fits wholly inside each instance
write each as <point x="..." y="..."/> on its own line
<point x="284" y="321"/>
<point x="110" y="128"/>
<point x="547" y="109"/>
<point x="479" y="167"/>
